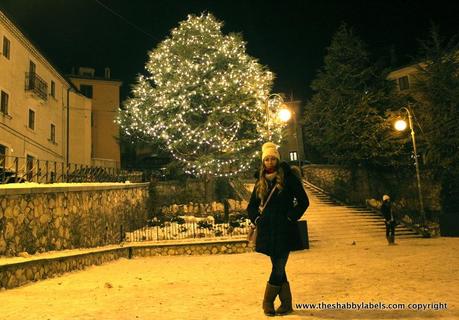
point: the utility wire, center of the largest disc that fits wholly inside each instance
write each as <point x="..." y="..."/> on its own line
<point x="132" y="24"/>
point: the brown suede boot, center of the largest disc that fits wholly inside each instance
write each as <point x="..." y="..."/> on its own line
<point x="285" y="296"/>
<point x="268" y="300"/>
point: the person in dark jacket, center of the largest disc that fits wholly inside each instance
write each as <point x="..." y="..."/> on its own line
<point x="274" y="225"/>
<point x="389" y="219"/>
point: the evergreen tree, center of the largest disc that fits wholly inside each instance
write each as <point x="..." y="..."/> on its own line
<point x="204" y="99"/>
<point x="346" y="119"/>
<point x="437" y="93"/>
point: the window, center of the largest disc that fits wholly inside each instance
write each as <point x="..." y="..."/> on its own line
<point x="2" y="156"/>
<point x="52" y="136"/>
<point x="32" y="67"/>
<point x="6" y="47"/>
<point x="293" y="156"/>
<point x="53" y="89"/>
<point x="86" y="90"/>
<point x="107" y="73"/>
<point x="4" y="103"/>
<point x="403" y="83"/>
<point x="31" y="119"/>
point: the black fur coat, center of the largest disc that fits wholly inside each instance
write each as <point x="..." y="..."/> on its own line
<point x="275" y="224"/>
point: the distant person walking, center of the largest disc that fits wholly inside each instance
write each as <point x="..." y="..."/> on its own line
<point x="275" y="190"/>
<point x="389" y="218"/>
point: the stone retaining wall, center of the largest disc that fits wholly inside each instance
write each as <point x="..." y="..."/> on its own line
<point x="17" y="274"/>
<point x="356" y="185"/>
<point x="191" y="190"/>
<point x="14" y="274"/>
<point x="235" y="246"/>
<point x="39" y="218"/>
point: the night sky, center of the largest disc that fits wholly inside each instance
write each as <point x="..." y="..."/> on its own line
<point x="289" y="37"/>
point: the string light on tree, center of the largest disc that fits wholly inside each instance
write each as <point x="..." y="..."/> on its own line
<point x="204" y="99"/>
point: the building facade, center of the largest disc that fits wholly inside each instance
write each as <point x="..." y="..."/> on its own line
<point x="44" y="118"/>
<point x="105" y="95"/>
<point x="292" y="147"/>
<point x="404" y="78"/>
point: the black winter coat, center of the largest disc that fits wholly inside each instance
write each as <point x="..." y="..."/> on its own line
<point x="275" y="225"/>
<point x="386" y="211"/>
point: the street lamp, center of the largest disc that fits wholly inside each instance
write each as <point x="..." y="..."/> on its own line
<point x="400" y="125"/>
<point x="273" y="99"/>
<point x="285" y="115"/>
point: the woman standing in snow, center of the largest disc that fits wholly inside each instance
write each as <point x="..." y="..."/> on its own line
<point x="274" y="223"/>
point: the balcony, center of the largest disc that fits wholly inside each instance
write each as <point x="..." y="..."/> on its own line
<point x="36" y="85"/>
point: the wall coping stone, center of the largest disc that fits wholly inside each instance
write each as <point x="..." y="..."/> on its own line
<point x="33" y="188"/>
<point x="56" y="255"/>
<point x="52" y="255"/>
<point x="188" y="242"/>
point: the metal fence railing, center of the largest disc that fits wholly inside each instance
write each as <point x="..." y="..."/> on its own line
<point x="188" y="230"/>
<point x="34" y="83"/>
<point x="29" y="169"/>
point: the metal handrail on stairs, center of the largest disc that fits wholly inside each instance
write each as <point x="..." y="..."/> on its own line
<point x="322" y="191"/>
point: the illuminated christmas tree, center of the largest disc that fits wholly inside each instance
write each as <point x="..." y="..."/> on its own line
<point x="204" y="98"/>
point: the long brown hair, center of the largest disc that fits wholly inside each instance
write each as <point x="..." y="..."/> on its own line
<point x="262" y="183"/>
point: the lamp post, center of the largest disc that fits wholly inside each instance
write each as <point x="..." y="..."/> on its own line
<point x="272" y="97"/>
<point x="400" y="125"/>
<point x="285" y="115"/>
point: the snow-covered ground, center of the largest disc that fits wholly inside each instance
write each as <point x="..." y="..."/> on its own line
<point x="232" y="286"/>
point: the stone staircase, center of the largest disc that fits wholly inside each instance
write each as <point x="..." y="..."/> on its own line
<point x="334" y="224"/>
<point x="240" y="189"/>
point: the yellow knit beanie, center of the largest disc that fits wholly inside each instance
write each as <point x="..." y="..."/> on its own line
<point x="269" y="149"/>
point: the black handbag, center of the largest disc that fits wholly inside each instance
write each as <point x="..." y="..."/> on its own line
<point x="299" y="235"/>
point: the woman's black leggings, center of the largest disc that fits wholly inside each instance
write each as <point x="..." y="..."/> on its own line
<point x="278" y="275"/>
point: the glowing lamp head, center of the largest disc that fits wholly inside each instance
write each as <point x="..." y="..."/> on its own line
<point x="285" y="115"/>
<point x="400" y="125"/>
